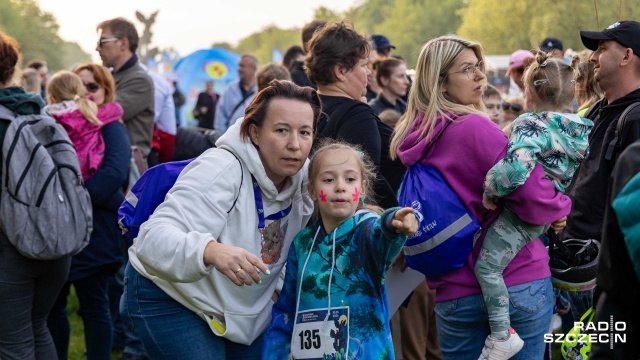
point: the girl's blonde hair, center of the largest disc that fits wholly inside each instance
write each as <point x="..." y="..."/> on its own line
<point x="426" y="95"/>
<point x="550" y="82"/>
<point x="65" y="85"/>
<point x="367" y="169"/>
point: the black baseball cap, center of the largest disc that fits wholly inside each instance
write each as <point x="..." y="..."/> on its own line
<point x="381" y="42"/>
<point x="626" y="33"/>
<point x="549" y="44"/>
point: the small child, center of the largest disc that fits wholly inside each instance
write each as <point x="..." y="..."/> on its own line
<point x="333" y="304"/>
<point x="81" y="118"/>
<point x="556" y="139"/>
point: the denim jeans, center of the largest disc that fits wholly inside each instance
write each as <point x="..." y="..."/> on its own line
<point x="169" y="330"/>
<point x="95" y="314"/>
<point x="130" y="343"/>
<point x="28" y="289"/>
<point x="463" y="323"/>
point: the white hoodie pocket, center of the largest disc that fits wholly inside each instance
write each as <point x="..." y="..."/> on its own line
<point x="237" y="327"/>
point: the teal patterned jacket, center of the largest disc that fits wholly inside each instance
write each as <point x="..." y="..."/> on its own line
<point x="365" y="246"/>
<point x="559" y="142"/>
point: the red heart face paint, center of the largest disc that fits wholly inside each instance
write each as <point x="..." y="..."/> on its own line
<point x="323" y="196"/>
<point x="356" y="195"/>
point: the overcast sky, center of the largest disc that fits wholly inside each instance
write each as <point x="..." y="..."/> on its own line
<point x="186" y="25"/>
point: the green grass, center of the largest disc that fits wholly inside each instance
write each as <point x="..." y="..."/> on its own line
<point x="76" y="341"/>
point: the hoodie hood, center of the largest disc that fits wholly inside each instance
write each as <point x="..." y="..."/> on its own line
<point x="414" y="147"/>
<point x="61" y="108"/>
<point x="248" y="154"/>
<point x="9" y="97"/>
<point x="570" y="132"/>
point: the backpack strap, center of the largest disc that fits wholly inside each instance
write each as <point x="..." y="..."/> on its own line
<point x="244" y="98"/>
<point x="241" y="179"/>
<point x="614" y="145"/>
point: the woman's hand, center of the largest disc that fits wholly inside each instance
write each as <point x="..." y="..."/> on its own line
<point x="405" y="221"/>
<point x="488" y="203"/>
<point x="559" y="224"/>
<point x="240" y="266"/>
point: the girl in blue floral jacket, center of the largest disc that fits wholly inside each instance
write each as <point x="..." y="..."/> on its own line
<point x="557" y="139"/>
<point x="333" y="304"/>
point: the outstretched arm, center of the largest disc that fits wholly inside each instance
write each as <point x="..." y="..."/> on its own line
<point x="405" y="221"/>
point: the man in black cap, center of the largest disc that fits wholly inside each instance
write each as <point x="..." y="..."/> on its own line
<point x="382" y="45"/>
<point x="617" y="70"/>
<point x="554" y="46"/>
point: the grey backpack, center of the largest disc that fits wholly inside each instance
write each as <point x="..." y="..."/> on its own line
<point x="45" y="210"/>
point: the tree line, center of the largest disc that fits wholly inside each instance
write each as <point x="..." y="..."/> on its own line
<point x="501" y="26"/>
<point x="37" y="33"/>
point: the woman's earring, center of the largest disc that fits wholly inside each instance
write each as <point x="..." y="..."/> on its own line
<point x="362" y="198"/>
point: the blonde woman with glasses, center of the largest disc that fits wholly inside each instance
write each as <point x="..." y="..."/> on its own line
<point x="446" y="127"/>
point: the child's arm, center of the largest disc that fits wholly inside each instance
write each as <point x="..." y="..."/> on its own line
<point x="277" y="338"/>
<point x="388" y="235"/>
<point x="529" y="138"/>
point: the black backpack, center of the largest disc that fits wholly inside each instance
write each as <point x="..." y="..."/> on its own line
<point x="45" y="209"/>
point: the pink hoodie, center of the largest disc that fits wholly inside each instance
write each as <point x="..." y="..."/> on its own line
<point x="464" y="153"/>
<point x="85" y="136"/>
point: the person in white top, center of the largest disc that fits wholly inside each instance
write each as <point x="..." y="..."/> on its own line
<point x="207" y="266"/>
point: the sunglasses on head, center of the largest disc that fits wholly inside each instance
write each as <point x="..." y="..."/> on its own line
<point x="92" y="87"/>
<point x="513" y="107"/>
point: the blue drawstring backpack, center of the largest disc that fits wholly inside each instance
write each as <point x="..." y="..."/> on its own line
<point x="146" y="194"/>
<point x="149" y="192"/>
<point x="447" y="230"/>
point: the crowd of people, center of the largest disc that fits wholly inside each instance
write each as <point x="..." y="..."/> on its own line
<point x="276" y="242"/>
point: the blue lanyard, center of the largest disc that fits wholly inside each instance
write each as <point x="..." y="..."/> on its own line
<point x="257" y="194"/>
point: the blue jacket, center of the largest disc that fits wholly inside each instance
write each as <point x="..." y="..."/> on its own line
<point x="231" y="106"/>
<point x="365" y="245"/>
<point x="106" y="247"/>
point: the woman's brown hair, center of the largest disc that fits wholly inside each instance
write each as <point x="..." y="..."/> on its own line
<point x="384" y="68"/>
<point x="256" y="112"/>
<point x="103" y="78"/>
<point x="334" y="44"/>
<point x="9" y="58"/>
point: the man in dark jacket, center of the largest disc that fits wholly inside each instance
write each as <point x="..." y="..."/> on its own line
<point x="617" y="69"/>
<point x="134" y="88"/>
<point x="619" y="264"/>
<point x="205" y="110"/>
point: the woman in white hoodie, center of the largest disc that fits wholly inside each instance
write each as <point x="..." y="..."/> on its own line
<point x="207" y="264"/>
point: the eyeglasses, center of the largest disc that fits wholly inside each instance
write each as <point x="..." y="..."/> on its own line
<point x="102" y="41"/>
<point x="471" y="70"/>
<point x="512" y="107"/>
<point x="92" y="87"/>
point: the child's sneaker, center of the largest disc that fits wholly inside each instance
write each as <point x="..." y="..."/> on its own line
<point x="498" y="349"/>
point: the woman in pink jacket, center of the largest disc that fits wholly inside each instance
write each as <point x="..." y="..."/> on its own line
<point x="447" y="95"/>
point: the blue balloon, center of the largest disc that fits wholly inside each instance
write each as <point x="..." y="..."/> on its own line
<point x="194" y="70"/>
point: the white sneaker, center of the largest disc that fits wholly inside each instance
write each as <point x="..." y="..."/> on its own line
<point x="501" y="349"/>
